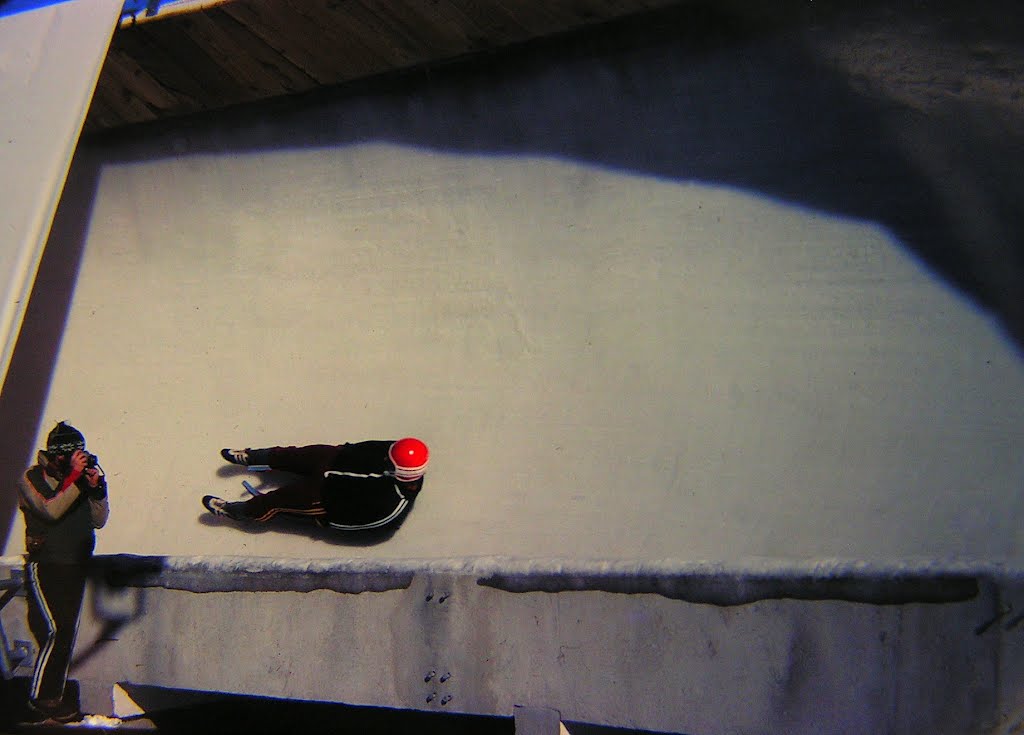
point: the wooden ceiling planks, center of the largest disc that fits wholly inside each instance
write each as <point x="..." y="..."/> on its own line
<point x="228" y="53"/>
<point x="275" y="26"/>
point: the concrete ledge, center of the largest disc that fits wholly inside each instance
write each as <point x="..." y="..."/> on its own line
<point x="657" y="645"/>
<point x="698" y="582"/>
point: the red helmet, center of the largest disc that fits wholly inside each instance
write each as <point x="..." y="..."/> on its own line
<point x="410" y="457"/>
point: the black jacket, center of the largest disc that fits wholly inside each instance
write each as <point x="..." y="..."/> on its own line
<point x="360" y="491"/>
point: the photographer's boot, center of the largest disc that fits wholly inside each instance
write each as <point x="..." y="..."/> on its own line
<point x="53" y="712"/>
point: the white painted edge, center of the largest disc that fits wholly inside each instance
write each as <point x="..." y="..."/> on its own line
<point x="70" y="83"/>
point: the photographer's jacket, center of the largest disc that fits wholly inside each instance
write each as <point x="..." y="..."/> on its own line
<point x="60" y="524"/>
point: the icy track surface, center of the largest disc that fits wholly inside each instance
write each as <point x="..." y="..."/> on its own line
<point x="605" y="366"/>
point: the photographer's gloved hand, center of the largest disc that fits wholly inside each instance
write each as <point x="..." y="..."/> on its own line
<point x="96" y="484"/>
<point x="92" y="482"/>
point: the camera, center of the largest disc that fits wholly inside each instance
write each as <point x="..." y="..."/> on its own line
<point x="91" y="462"/>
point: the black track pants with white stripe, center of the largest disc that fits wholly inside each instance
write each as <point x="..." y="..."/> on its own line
<point x="300" y="497"/>
<point x="55" y="593"/>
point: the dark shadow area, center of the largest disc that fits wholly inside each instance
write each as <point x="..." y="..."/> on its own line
<point x="734" y="94"/>
<point x="728" y="590"/>
<point x="224" y="713"/>
<point x="258" y="715"/>
<point x="33" y="361"/>
<point x="297" y="526"/>
<point x="210" y="712"/>
<point x="116" y="600"/>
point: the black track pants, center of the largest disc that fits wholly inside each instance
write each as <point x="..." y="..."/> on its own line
<point x="55" y="593"/>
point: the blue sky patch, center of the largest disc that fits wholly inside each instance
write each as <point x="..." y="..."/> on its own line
<point x="13" y="7"/>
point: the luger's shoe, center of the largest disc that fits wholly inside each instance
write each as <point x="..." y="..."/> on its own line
<point x="236" y="456"/>
<point x="221" y="507"/>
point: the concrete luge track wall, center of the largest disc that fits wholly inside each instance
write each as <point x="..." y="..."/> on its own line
<point x="737" y="655"/>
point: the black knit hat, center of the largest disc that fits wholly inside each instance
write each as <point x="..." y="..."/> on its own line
<point x="64" y="439"/>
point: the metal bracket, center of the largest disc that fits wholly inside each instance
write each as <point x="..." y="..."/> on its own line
<point x="11" y="656"/>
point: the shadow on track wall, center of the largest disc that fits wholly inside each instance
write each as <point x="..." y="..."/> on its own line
<point x="739" y="95"/>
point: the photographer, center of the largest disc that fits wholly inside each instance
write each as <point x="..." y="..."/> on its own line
<point x="64" y="499"/>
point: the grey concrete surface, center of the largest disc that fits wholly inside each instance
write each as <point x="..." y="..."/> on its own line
<point x="450" y="641"/>
<point x="727" y="287"/>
